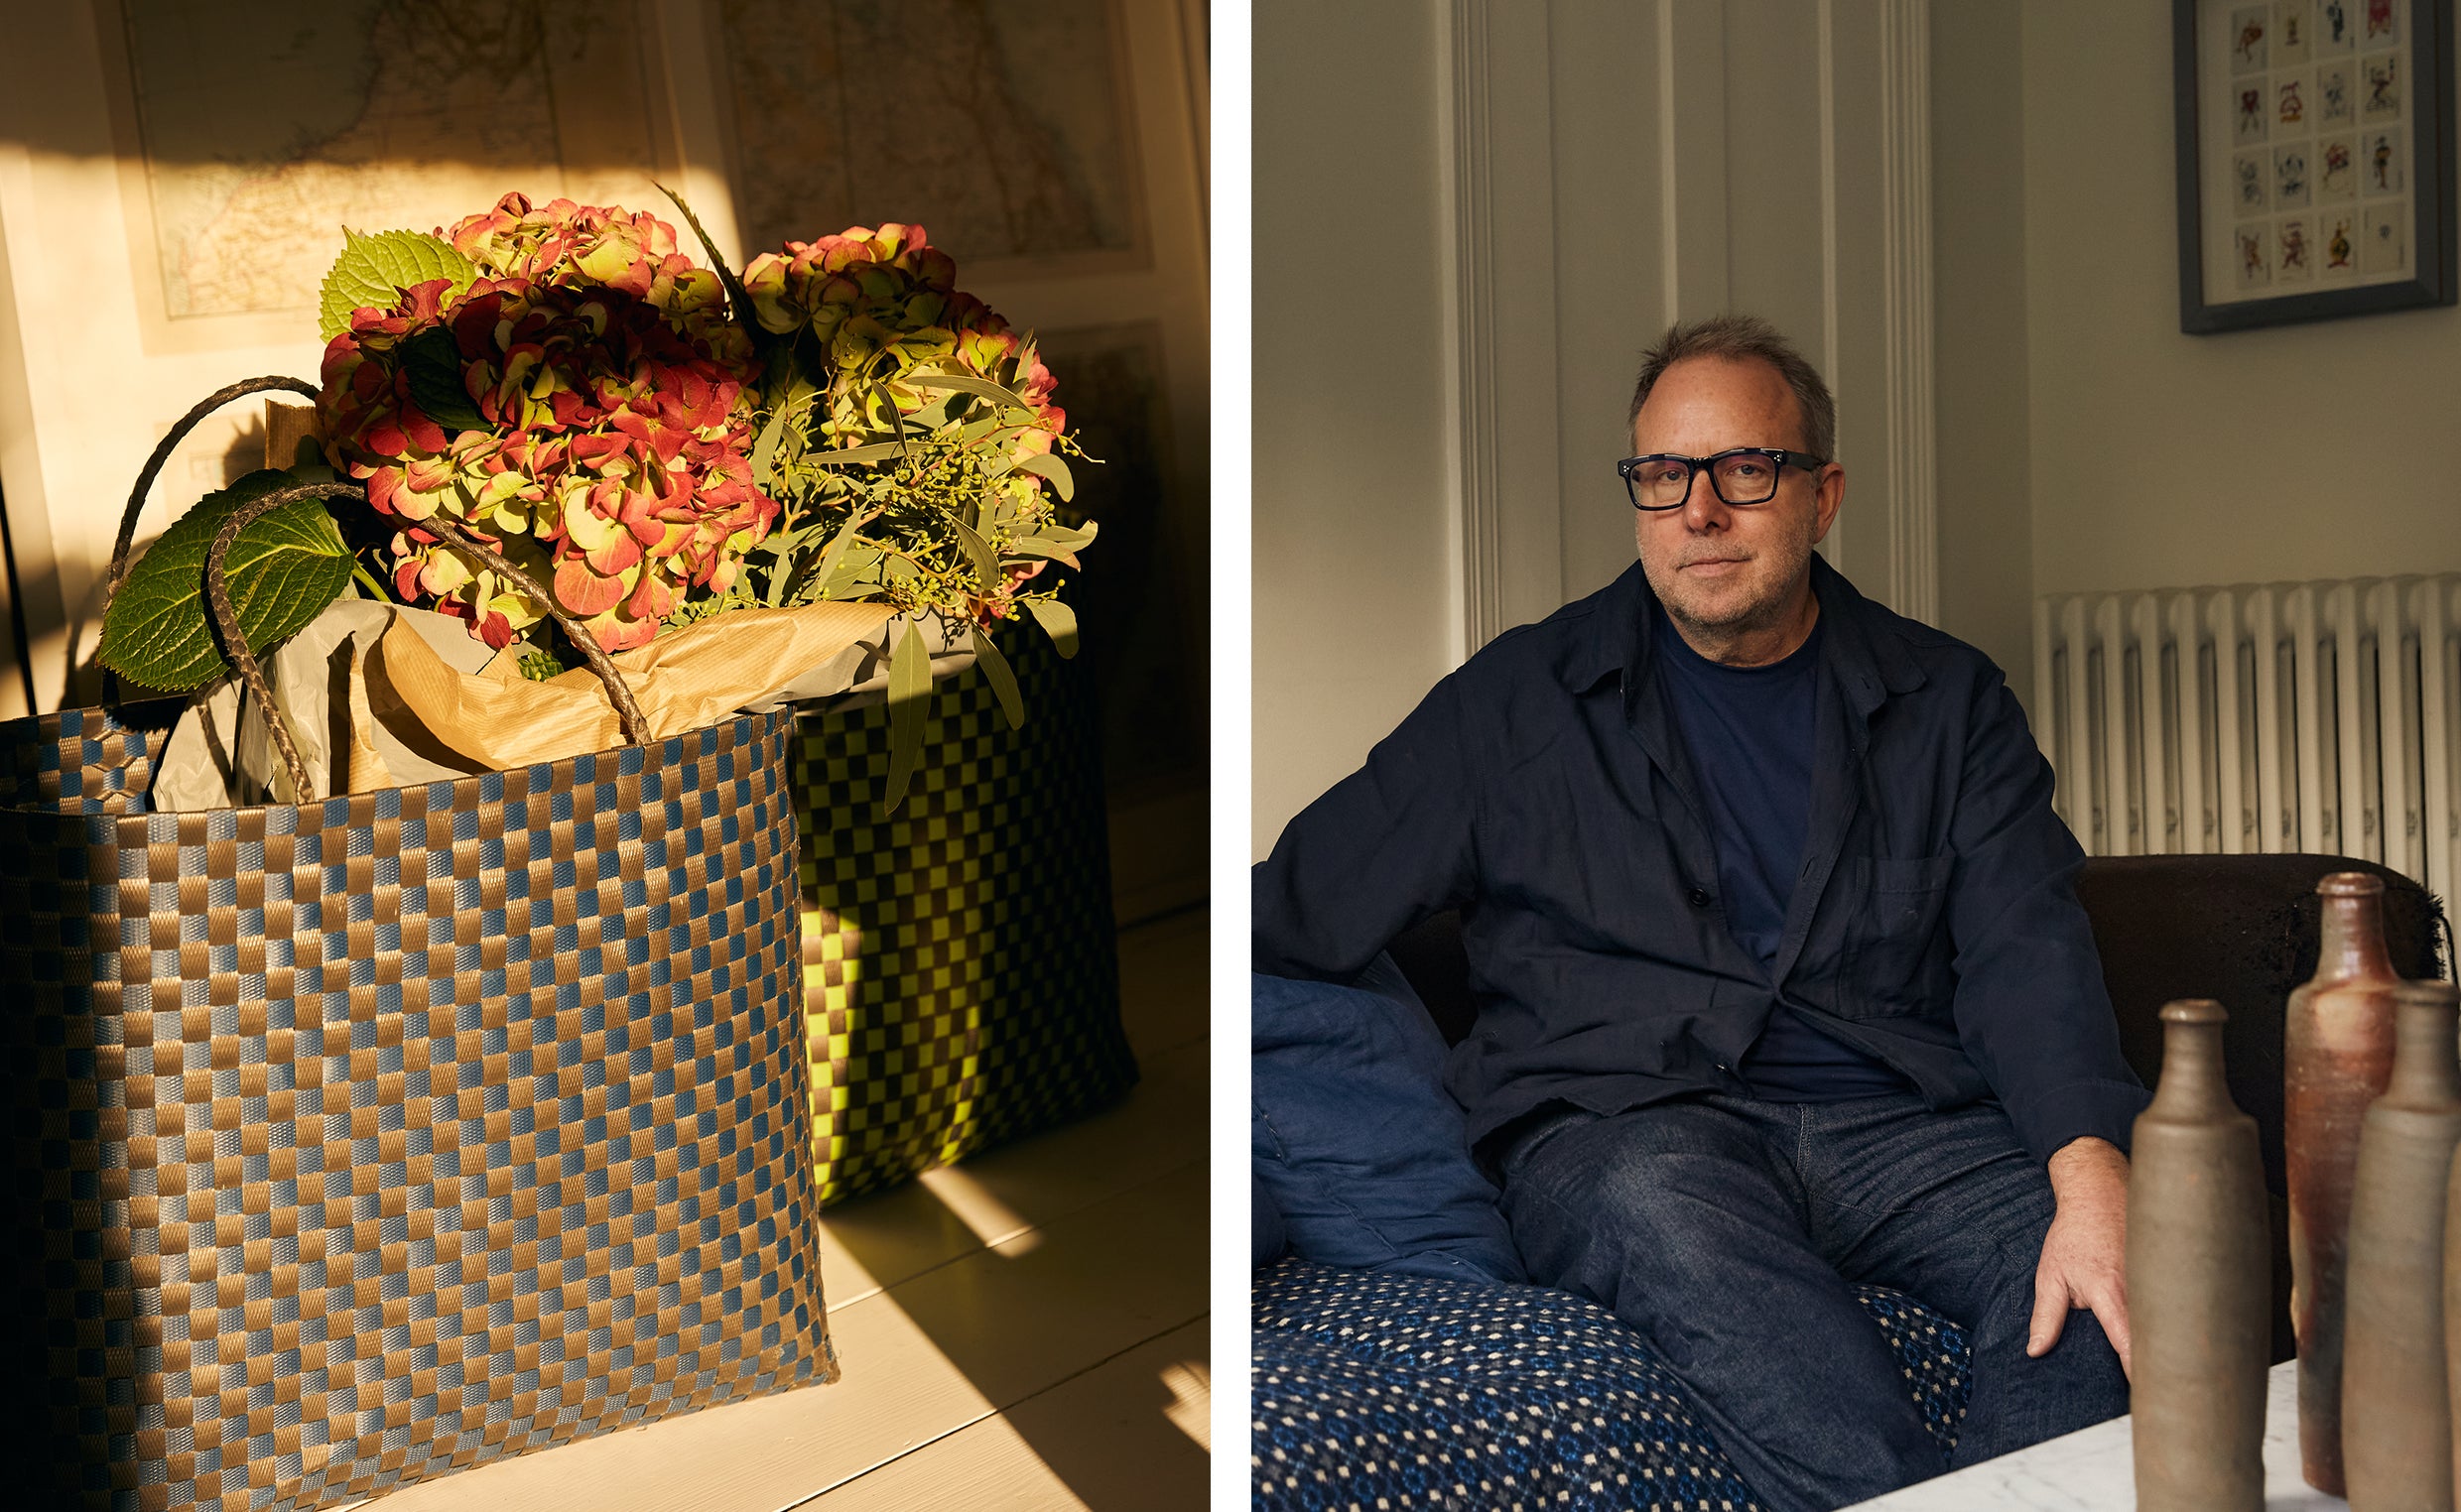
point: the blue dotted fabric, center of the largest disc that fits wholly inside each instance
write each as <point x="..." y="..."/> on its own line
<point x="1384" y="1393"/>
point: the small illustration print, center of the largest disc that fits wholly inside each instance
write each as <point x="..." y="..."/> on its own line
<point x="2249" y="27"/>
<point x="2337" y="163"/>
<point x="2380" y="88"/>
<point x="2290" y="103"/>
<point x="2248" y="174"/>
<point x="2292" y="26"/>
<point x="2340" y="248"/>
<point x="2380" y="26"/>
<point x="2291" y="263"/>
<point x="2336" y="27"/>
<point x="2334" y="106"/>
<point x="2254" y="269"/>
<point x="2383" y="241"/>
<point x="2291" y="176"/>
<point x="2251" y="115"/>
<point x="2380" y="162"/>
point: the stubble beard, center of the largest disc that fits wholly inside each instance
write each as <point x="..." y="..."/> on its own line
<point x="1765" y="609"/>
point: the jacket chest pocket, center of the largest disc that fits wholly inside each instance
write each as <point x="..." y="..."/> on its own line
<point x="1895" y="961"/>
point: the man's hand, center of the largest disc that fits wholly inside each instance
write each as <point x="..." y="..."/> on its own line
<point x="2085" y="1254"/>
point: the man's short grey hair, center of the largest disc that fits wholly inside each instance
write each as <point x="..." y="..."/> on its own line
<point x="1743" y="337"/>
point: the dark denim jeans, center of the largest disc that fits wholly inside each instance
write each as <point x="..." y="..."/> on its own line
<point x="1729" y="1233"/>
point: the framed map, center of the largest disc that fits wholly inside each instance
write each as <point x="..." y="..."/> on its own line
<point x="246" y="148"/>
<point x="1005" y="130"/>
<point x="2315" y="159"/>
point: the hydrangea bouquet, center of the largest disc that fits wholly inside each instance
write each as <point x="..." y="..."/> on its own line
<point x="655" y="443"/>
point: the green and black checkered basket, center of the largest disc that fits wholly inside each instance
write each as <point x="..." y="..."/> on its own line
<point x="960" y="982"/>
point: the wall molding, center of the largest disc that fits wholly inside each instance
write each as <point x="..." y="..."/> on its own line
<point x="1470" y="272"/>
<point x="1692" y="157"/>
<point x="1498" y="160"/>
<point x="1909" y="419"/>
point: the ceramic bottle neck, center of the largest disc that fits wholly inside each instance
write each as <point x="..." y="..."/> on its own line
<point x="2426" y="1038"/>
<point x="2351" y="948"/>
<point x="2193" y="1087"/>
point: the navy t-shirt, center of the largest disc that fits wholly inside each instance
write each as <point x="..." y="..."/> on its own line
<point x="1751" y="731"/>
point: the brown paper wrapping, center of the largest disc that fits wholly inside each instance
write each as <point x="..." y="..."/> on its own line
<point x="683" y="680"/>
<point x="380" y="697"/>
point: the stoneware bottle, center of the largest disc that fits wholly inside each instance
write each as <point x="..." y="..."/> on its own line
<point x="2395" y="1432"/>
<point x="2452" y="1309"/>
<point x="2198" y="1292"/>
<point x="2337" y="1058"/>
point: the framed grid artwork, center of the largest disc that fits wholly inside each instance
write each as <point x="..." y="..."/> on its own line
<point x="2315" y="146"/>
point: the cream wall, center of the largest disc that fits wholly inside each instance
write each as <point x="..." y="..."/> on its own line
<point x="1978" y="219"/>
<point x="1356" y="606"/>
<point x="2162" y="459"/>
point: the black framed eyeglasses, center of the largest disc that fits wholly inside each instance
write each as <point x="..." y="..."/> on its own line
<point x="1739" y="475"/>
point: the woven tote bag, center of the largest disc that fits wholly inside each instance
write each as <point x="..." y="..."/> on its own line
<point x="359" y="1141"/>
<point x="961" y="980"/>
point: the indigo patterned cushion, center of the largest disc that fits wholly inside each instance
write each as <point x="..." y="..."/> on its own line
<point x="1353" y="1133"/>
<point x="1398" y="1392"/>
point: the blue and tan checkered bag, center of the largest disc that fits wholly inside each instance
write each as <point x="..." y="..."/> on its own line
<point x="358" y="1141"/>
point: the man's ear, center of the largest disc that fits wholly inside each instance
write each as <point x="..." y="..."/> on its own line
<point x="1829" y="491"/>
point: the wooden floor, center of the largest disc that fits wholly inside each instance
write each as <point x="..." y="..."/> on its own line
<point x="1027" y="1330"/>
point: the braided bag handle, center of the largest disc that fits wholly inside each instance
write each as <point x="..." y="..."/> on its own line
<point x="226" y="620"/>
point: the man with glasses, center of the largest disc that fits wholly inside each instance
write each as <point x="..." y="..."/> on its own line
<point x="1783" y="985"/>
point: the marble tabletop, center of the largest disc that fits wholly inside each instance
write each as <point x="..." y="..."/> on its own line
<point x="2092" y="1470"/>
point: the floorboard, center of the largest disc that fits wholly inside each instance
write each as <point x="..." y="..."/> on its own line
<point x="1105" y="1439"/>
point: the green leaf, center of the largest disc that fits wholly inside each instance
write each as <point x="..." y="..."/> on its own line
<point x="432" y="360"/>
<point x="283" y="571"/>
<point x="765" y="452"/>
<point x="933" y="416"/>
<point x="1048" y="464"/>
<point x="837" y="548"/>
<point x="1004" y="681"/>
<point x="1053" y="541"/>
<point x="372" y="271"/>
<point x="965" y="384"/>
<point x="1058" y="620"/>
<point x="910" y="699"/>
<point x="979" y="551"/>
<point x="877" y="452"/>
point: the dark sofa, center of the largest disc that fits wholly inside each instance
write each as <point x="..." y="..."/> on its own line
<point x="1400" y="1392"/>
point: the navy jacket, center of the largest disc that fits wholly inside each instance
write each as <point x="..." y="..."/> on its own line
<point x="1543" y="791"/>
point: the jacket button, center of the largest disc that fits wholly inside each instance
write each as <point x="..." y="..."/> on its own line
<point x="1698" y="897"/>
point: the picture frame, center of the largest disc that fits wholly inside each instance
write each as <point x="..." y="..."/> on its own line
<point x="2315" y="160"/>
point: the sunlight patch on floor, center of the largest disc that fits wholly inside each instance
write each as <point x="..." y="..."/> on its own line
<point x="993" y="1221"/>
<point x="1191" y="1385"/>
